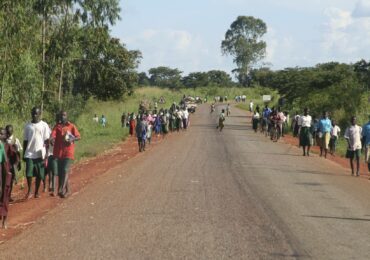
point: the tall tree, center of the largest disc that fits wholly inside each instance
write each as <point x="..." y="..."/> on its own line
<point x="243" y="42"/>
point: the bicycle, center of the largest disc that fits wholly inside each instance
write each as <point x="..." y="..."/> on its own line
<point x="275" y="132"/>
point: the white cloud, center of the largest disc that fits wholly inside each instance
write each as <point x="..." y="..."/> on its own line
<point x="346" y="37"/>
<point x="362" y="9"/>
<point x="177" y="49"/>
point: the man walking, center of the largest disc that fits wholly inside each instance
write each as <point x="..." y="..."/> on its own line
<point x="353" y="137"/>
<point x="63" y="138"/>
<point x="36" y="136"/>
<point x="221" y="120"/>
<point x="141" y="133"/>
<point x="325" y="127"/>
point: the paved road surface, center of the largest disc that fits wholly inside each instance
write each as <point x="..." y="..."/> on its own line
<point x="209" y="195"/>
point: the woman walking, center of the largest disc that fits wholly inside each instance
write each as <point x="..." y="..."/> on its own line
<point x="305" y="132"/>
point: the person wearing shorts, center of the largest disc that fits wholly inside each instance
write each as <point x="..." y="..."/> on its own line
<point x="353" y="136"/>
<point x="325" y="127"/>
<point x="36" y="136"/>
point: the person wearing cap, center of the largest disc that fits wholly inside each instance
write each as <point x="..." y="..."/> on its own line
<point x="366" y="142"/>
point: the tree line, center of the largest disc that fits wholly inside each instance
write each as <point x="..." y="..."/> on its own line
<point x="60" y="52"/>
<point x="172" y="78"/>
<point x="343" y="89"/>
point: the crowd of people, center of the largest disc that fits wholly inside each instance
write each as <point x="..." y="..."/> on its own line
<point x="157" y="121"/>
<point x="45" y="152"/>
<point x="323" y="132"/>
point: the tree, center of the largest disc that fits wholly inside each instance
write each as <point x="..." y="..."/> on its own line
<point x="219" y="78"/>
<point x="143" y="79"/>
<point x="362" y="69"/>
<point x="243" y="42"/>
<point x="107" y="71"/>
<point x="165" y="77"/>
<point x="195" y="79"/>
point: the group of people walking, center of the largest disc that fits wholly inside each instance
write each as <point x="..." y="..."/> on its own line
<point x="271" y="121"/>
<point x="325" y="133"/>
<point x="159" y="122"/>
<point x="44" y="152"/>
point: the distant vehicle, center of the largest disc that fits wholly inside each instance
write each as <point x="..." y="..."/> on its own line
<point x="191" y="104"/>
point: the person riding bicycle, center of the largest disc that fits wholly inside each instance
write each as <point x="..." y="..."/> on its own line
<point x="274" y="123"/>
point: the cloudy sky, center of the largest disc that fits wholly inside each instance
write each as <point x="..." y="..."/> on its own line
<point x="188" y="34"/>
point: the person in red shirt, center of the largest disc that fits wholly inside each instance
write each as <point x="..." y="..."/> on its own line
<point x="63" y="138"/>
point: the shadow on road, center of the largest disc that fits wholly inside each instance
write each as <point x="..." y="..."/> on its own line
<point x="339" y="218"/>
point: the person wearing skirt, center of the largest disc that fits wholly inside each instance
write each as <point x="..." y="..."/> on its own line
<point x="255" y="120"/>
<point x="305" y="132"/>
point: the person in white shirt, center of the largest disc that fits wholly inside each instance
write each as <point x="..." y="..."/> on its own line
<point x="334" y="135"/>
<point x="255" y="120"/>
<point x="305" y="132"/>
<point x="221" y="120"/>
<point x="185" y="118"/>
<point x="353" y="136"/>
<point x="36" y="136"/>
<point x="96" y="118"/>
<point x="251" y="106"/>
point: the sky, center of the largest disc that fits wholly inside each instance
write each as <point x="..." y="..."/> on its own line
<point x="187" y="34"/>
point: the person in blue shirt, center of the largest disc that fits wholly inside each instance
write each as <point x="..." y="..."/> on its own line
<point x="266" y="118"/>
<point x="325" y="127"/>
<point x="366" y="142"/>
<point x="103" y="121"/>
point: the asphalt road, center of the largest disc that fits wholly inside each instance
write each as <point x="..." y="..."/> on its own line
<point x="203" y="194"/>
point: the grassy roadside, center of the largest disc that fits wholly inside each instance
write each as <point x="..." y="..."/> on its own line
<point x="95" y="138"/>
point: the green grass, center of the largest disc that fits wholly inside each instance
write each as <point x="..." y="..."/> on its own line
<point x="95" y="138"/>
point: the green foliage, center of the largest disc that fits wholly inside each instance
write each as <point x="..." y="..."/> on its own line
<point x="26" y="79"/>
<point x="243" y="42"/>
<point x="143" y="79"/>
<point x="50" y="50"/>
<point x="338" y="88"/>
<point x="96" y="138"/>
<point x="165" y="77"/>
